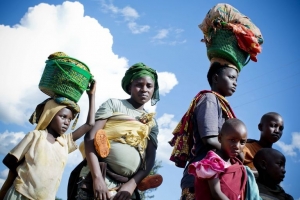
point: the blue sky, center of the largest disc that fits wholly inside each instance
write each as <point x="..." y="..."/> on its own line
<point x="110" y="36"/>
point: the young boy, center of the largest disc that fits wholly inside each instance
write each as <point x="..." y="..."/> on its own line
<point x="270" y="164"/>
<point x="271" y="127"/>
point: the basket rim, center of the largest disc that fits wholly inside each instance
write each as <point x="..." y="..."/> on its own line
<point x="85" y="73"/>
<point x="61" y="57"/>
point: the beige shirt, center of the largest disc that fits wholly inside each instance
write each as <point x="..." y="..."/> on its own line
<point x="40" y="175"/>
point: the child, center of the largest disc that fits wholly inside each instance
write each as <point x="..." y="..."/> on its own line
<point x="271" y="127"/>
<point x="124" y="137"/>
<point x="270" y="165"/>
<point x="38" y="161"/>
<point x="221" y="175"/>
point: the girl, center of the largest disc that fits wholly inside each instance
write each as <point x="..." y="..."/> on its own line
<point x="221" y="175"/>
<point x="38" y="161"/>
<point x="124" y="137"/>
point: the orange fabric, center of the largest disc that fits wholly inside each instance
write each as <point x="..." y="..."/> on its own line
<point x="249" y="151"/>
<point x="246" y="40"/>
<point x="101" y="143"/>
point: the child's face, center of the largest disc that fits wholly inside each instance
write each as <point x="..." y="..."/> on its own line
<point x="61" y="121"/>
<point x="275" y="167"/>
<point x="233" y="143"/>
<point x="142" y="89"/>
<point x="271" y="128"/>
<point x="227" y="81"/>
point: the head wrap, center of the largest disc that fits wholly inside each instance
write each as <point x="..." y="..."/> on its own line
<point x="139" y="70"/>
<point x="46" y="110"/>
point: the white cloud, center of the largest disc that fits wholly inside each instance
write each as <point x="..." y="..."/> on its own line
<point x="178" y="31"/>
<point x="166" y="81"/>
<point x="166" y="126"/>
<point x="173" y="43"/>
<point x="291" y="149"/>
<point x="168" y="36"/>
<point x="9" y="140"/>
<point x="163" y="33"/>
<point x="129" y="14"/>
<point x="136" y="29"/>
<point x="43" y="30"/>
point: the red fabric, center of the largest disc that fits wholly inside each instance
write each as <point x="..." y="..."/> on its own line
<point x="246" y="40"/>
<point x="232" y="180"/>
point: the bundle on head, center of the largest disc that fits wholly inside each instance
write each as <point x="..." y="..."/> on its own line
<point x="230" y="35"/>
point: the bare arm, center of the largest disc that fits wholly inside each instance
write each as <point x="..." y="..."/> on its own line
<point x="215" y="189"/>
<point x="100" y="188"/>
<point x="127" y="189"/>
<point x="90" y="121"/>
<point x="212" y="141"/>
<point x="12" y="163"/>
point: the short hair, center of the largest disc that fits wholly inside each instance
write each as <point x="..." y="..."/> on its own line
<point x="215" y="68"/>
<point x="232" y="124"/>
<point x="264" y="154"/>
<point x="268" y="115"/>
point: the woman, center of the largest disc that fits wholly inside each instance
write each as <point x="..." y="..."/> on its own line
<point x="126" y="136"/>
<point x="230" y="38"/>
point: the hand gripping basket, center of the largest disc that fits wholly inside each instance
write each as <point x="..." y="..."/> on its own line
<point x="224" y="44"/>
<point x="65" y="76"/>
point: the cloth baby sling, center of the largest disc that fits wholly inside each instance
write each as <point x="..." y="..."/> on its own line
<point x="116" y="132"/>
<point x="183" y="140"/>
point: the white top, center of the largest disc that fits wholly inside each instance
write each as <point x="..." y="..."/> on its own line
<point x="40" y="175"/>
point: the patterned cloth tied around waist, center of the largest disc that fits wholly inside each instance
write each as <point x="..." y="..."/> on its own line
<point x="128" y="130"/>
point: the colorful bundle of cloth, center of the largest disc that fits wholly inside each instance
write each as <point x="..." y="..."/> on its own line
<point x="230" y="35"/>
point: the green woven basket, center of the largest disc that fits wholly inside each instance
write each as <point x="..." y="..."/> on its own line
<point x="65" y="79"/>
<point x="224" y="45"/>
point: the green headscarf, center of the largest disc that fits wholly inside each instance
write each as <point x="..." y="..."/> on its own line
<point x="139" y="70"/>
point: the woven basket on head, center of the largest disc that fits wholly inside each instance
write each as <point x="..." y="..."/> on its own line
<point x="223" y="44"/>
<point x="65" y="76"/>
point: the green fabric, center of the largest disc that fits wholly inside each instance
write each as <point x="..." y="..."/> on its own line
<point x="139" y="70"/>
